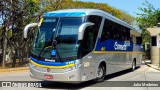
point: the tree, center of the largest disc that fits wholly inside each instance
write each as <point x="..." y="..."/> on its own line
<point x="0" y="43"/>
<point x="149" y="17"/>
<point x="15" y="15"/>
<point x="49" y="5"/>
<point x="5" y="13"/>
<point x="25" y="11"/>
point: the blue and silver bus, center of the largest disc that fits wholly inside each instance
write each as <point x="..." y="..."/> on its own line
<point x="82" y="45"/>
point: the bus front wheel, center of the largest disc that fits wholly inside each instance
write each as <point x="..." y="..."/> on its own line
<point x="101" y="73"/>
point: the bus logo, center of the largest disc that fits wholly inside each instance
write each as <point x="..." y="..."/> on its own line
<point x="54" y="52"/>
<point x="48" y="70"/>
<point x="119" y="46"/>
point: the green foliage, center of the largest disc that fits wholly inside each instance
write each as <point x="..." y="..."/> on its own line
<point x="16" y="15"/>
<point x="9" y="33"/>
<point x="149" y="18"/>
<point x="0" y="30"/>
<point x="69" y="4"/>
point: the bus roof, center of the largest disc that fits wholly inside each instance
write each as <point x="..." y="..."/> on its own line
<point x="85" y="12"/>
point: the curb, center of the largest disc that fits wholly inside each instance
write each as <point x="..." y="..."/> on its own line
<point x="152" y="66"/>
<point x="14" y="69"/>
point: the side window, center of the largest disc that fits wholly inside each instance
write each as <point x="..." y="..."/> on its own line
<point x="154" y="41"/>
<point x="88" y="40"/>
<point x="123" y="30"/>
<point x="106" y="31"/>
<point x="139" y="40"/>
<point x="97" y="22"/>
<point x="115" y="31"/>
<point x="90" y="34"/>
<point x="128" y="38"/>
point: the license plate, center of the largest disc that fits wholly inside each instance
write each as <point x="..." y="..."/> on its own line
<point x="48" y="76"/>
<point x="50" y="60"/>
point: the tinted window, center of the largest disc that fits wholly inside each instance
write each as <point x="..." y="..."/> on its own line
<point x="90" y="34"/>
<point x="106" y="33"/>
<point x="112" y="30"/>
<point x="138" y="40"/>
<point x="154" y="41"/>
<point x="64" y="31"/>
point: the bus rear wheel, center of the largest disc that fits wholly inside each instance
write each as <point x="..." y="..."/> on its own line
<point x="101" y="73"/>
<point x="133" y="65"/>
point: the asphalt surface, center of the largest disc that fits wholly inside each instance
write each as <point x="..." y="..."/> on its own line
<point x="122" y="79"/>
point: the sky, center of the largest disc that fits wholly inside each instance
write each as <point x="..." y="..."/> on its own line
<point x="129" y="6"/>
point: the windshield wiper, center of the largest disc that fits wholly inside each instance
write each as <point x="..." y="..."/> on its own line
<point x="54" y="43"/>
<point x="48" y="44"/>
<point x="43" y="49"/>
<point x="54" y="47"/>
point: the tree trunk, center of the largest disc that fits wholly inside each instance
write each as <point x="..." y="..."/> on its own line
<point x="4" y="47"/>
<point x="14" y="60"/>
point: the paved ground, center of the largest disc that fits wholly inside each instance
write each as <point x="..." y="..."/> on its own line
<point x="144" y="73"/>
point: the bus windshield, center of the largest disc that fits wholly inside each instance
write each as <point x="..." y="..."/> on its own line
<point x="64" y="30"/>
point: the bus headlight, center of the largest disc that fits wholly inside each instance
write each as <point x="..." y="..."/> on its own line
<point x="68" y="69"/>
<point x="73" y="67"/>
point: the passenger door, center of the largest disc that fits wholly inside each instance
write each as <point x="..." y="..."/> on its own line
<point x="88" y="45"/>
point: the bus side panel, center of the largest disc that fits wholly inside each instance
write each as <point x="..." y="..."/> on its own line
<point x="114" y="62"/>
<point x="137" y="51"/>
<point x="110" y="65"/>
<point x="88" y="68"/>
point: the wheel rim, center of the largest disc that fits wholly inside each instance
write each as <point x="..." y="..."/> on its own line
<point x="100" y="73"/>
<point x="133" y="66"/>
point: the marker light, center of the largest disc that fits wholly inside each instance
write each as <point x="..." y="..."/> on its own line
<point x="77" y="65"/>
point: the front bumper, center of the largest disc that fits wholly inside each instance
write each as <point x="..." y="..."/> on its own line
<point x="59" y="75"/>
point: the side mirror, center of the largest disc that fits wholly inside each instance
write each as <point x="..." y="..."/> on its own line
<point x="82" y="28"/>
<point x="25" y="31"/>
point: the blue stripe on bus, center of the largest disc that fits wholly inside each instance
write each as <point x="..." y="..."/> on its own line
<point x="75" y="14"/>
<point x="52" y="63"/>
<point x="114" y="45"/>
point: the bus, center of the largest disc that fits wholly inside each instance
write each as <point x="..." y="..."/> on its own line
<point x="81" y="45"/>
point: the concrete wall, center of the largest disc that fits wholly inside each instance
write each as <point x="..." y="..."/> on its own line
<point x="154" y="55"/>
<point x="153" y="31"/>
<point x="154" y="50"/>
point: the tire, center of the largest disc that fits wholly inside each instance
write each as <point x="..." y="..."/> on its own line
<point x="101" y="73"/>
<point x="133" y="65"/>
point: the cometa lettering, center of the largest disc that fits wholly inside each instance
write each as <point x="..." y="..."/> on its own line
<point x="119" y="46"/>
